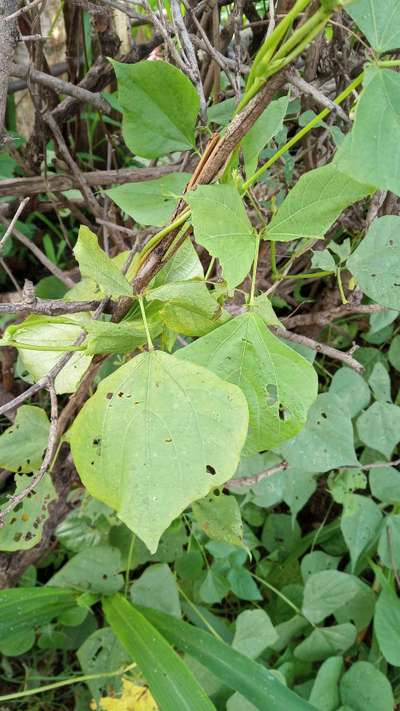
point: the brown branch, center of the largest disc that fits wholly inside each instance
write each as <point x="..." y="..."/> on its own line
<point x="61" y="87"/>
<point x="49" y="307"/>
<point x="10" y="227"/>
<point x="8" y="43"/>
<point x="59" y="183"/>
<point x="253" y="480"/>
<point x="329" y="351"/>
<point x="322" y="318"/>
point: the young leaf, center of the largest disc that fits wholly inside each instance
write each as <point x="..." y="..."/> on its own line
<point x="169" y="679"/>
<point x="376" y="262"/>
<point x="379" y="22"/>
<point x="22" y="445"/>
<point x="313" y="205"/>
<point x="23" y="526"/>
<point x="157" y="588"/>
<point x="326" y="592"/>
<point x="134" y="441"/>
<point x="370" y="152"/>
<point x="279" y="384"/>
<point x="363" y="687"/>
<point x="221" y="226"/>
<point x="97" y="265"/>
<point x="254" y="681"/>
<point x="160" y="107"/>
<point x="379" y="427"/>
<point x="219" y="517"/>
<point x="150" y="202"/>
<point x="326" y="441"/>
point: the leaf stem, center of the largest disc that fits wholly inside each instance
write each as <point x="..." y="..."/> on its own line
<point x="274" y="269"/>
<point x="254" y="274"/>
<point x="340" y="285"/>
<point x="146" y="325"/>
<point x="310" y="275"/>
<point x="129" y="563"/>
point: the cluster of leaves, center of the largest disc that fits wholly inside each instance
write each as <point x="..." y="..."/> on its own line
<point x="277" y="607"/>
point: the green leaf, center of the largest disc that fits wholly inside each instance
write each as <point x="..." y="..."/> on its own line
<point x="124" y="337"/>
<point x="387" y="625"/>
<point x="150" y="202"/>
<point x="254" y="633"/>
<point x="221" y="226"/>
<point x="360" y="609"/>
<point x="44" y="331"/>
<point x="95" y="264"/>
<point x="379" y="22"/>
<point x="370" y="152"/>
<point x="385" y="484"/>
<point x="317" y="561"/>
<point x="360" y="526"/>
<point x="326" y="642"/>
<point x="389" y="542"/>
<point x="219" y="517"/>
<point x="394" y="353"/>
<point x="326" y="592"/>
<point x="279" y="384"/>
<point x="379" y="427"/>
<point x="157" y="588"/>
<point x="352" y="390"/>
<point x="171" y="682"/>
<point x="323" y="260"/>
<point x="95" y="569"/>
<point x="24" y="526"/>
<point x="100" y="653"/>
<point x="159" y="105"/>
<point x="184" y="265"/>
<point x="22" y="445"/>
<point x="365" y="687"/>
<point x="214" y="587"/>
<point x="24" y="609"/>
<point x="376" y="261"/>
<point x="379" y="382"/>
<point x="325" y="692"/>
<point x="313" y="205"/>
<point x="242" y="584"/>
<point x="266" y="127"/>
<point x="163" y="411"/>
<point x="188" y="307"/>
<point x="326" y="441"/>
<point x="254" y="681"/>
<point x="342" y="485"/>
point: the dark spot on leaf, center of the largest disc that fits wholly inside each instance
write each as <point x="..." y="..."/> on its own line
<point x="169" y="439"/>
<point x="391" y="243"/>
<point x="217" y="492"/>
<point x="120" y="394"/>
<point x="324" y="415"/>
<point x="109" y="396"/>
<point x="210" y="470"/>
<point x="104" y="576"/>
<point x="96" y="441"/>
<point x="91" y="463"/>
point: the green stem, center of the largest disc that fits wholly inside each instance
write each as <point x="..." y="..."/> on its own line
<point x="149" y="246"/>
<point x="280" y="63"/>
<point x="300" y="34"/>
<point x="340" y="285"/>
<point x="254" y="274"/>
<point x="310" y="275"/>
<point x="210" y="268"/>
<point x="129" y="563"/>
<point x="199" y="614"/>
<point x="65" y="682"/>
<point x="146" y="326"/>
<point x="274" y="269"/>
<point x="277" y="592"/>
<point x="303" y="132"/>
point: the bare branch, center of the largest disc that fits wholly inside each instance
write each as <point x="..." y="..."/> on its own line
<point x="22" y="10"/>
<point x="253" y="480"/>
<point x="10" y="227"/>
<point x="49" y="307"/>
<point x="329" y="351"/>
<point x="8" y="43"/>
<point x="320" y="98"/>
<point x="322" y="318"/>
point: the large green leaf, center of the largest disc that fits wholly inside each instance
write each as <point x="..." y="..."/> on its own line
<point x="95" y="264"/>
<point x="327" y="591"/>
<point x="170" y="680"/>
<point x="95" y="568"/>
<point x="148" y="443"/>
<point x="370" y="153"/>
<point x="221" y="225"/>
<point x="379" y="20"/>
<point x="23" y="609"/>
<point x="23" y="526"/>
<point x="150" y="202"/>
<point x="387" y="624"/>
<point x="265" y="128"/>
<point x="254" y="681"/>
<point x="376" y="262"/>
<point x="279" y="384"/>
<point x="313" y="205"/>
<point x="160" y="107"/>
<point x="326" y="441"/>
<point x="22" y="445"/>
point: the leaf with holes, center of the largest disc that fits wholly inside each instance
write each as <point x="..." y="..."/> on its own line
<point x="24" y="526"/>
<point x="95" y="569"/>
<point x="23" y="444"/>
<point x="376" y="262"/>
<point x="279" y="384"/>
<point x="313" y="205"/>
<point x="150" y="202"/>
<point x="159" y="108"/>
<point x="149" y="442"/>
<point x="221" y="226"/>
